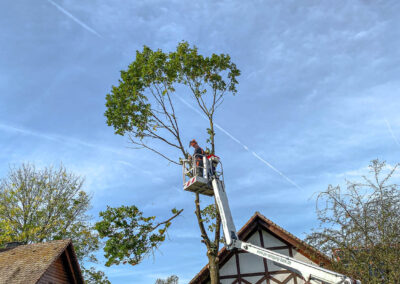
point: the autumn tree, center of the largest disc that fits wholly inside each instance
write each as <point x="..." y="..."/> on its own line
<point x="39" y="205"/>
<point x="143" y="108"/>
<point x="360" y="226"/>
<point x="93" y="276"/>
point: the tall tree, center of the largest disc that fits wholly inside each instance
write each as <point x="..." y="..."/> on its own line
<point x="360" y="226"/>
<point x="38" y="205"/>
<point x="143" y="107"/>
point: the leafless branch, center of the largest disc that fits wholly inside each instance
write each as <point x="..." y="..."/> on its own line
<point x="153" y="150"/>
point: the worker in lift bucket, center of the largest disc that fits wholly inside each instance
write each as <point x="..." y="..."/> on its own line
<point x="198" y="156"/>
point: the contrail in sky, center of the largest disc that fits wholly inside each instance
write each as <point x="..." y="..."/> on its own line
<point x="24" y="131"/>
<point x="391" y="132"/>
<point x="72" y="17"/>
<point x="243" y="145"/>
<point x="59" y="139"/>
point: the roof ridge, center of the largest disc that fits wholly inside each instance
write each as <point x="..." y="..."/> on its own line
<point x="60" y="251"/>
<point x="30" y="261"/>
<point x="308" y="246"/>
<point x="242" y="230"/>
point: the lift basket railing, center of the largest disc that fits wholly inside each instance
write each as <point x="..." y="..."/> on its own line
<point x="204" y="166"/>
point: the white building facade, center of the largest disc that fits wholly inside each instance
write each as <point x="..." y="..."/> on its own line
<point x="239" y="267"/>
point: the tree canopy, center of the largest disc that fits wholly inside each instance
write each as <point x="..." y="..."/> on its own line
<point x="360" y="226"/>
<point x="143" y="106"/>
<point x="38" y="205"/>
<point x="130" y="235"/>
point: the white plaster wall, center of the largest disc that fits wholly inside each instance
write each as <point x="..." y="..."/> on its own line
<point x="255" y="239"/>
<point x="271" y="265"/>
<point x="301" y="257"/>
<point x="300" y="281"/>
<point x="271" y="241"/>
<point x="254" y="279"/>
<point x="229" y="268"/>
<point x="281" y="277"/>
<point x="291" y="281"/>
<point x="250" y="263"/>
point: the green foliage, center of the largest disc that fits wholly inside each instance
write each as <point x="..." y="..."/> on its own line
<point x="38" y="205"/>
<point x="130" y="236"/>
<point x="173" y="279"/>
<point x="209" y="214"/>
<point x="210" y="133"/>
<point x="361" y="226"/>
<point x="128" y="108"/>
<point x="93" y="276"/>
<point x="142" y="106"/>
<point x="48" y="204"/>
<point x="142" y="103"/>
<point x="216" y="72"/>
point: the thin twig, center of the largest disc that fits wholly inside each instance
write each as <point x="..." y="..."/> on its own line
<point x="169" y="220"/>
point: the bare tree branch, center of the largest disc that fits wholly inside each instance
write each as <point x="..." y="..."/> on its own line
<point x="153" y="150"/>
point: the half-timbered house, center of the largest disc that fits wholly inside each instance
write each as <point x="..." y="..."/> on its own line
<point x="52" y="262"/>
<point x="239" y="267"/>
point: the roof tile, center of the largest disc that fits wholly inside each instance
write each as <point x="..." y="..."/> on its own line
<point x="27" y="263"/>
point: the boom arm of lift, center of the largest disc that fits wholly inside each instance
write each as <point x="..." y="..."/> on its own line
<point x="312" y="273"/>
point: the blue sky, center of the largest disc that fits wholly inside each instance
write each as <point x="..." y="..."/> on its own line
<point x="317" y="99"/>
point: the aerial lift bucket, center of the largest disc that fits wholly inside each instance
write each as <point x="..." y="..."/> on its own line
<point x="197" y="171"/>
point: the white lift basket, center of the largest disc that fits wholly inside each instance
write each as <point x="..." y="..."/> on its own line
<point x="198" y="172"/>
<point x="204" y="175"/>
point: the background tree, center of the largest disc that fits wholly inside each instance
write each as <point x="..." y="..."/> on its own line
<point x="93" y="276"/>
<point x="173" y="279"/>
<point x="38" y="205"/>
<point x="142" y="107"/>
<point x="360" y="226"/>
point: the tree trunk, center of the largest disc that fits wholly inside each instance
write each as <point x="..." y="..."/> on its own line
<point x="213" y="266"/>
<point x="212" y="135"/>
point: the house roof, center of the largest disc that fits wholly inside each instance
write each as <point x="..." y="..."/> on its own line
<point x="27" y="263"/>
<point x="248" y="229"/>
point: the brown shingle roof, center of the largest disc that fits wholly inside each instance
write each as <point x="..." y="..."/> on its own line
<point x="27" y="263"/>
<point x="259" y="219"/>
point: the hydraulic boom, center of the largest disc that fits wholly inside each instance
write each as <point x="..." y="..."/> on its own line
<point x="206" y="178"/>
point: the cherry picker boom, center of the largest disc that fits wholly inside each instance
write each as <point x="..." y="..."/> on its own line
<point x="208" y="179"/>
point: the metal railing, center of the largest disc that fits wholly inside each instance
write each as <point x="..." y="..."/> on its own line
<point x="200" y="165"/>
